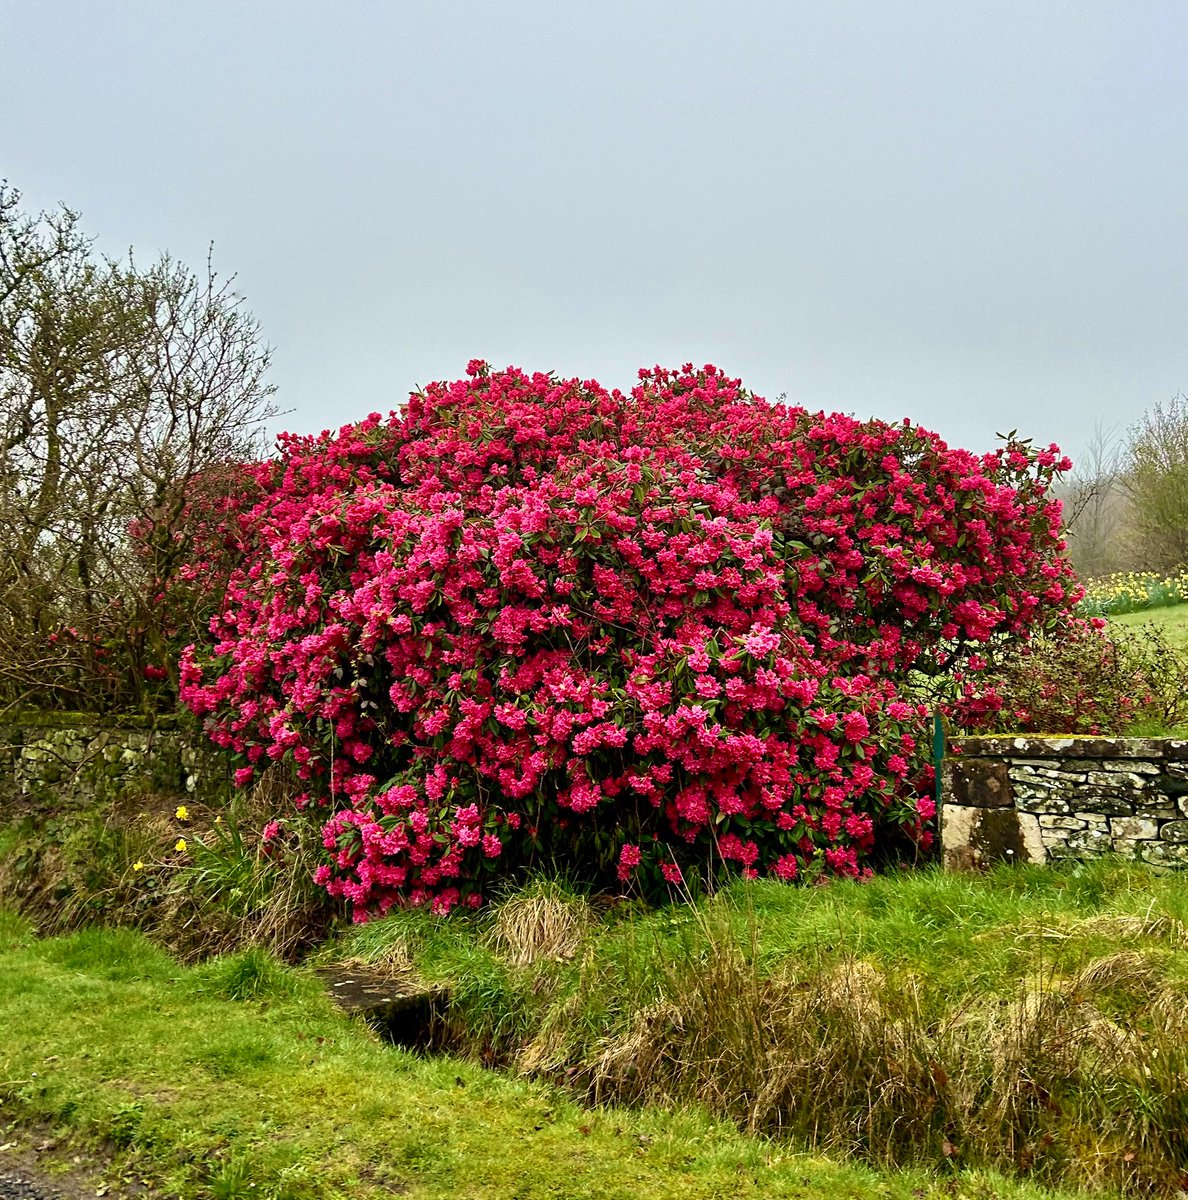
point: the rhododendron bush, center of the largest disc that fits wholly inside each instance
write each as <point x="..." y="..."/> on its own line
<point x="528" y="620"/>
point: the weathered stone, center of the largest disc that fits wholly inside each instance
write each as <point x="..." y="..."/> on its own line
<point x="1116" y="780"/>
<point x="1101" y="805"/>
<point x="978" y="782"/>
<point x="1175" y="781"/>
<point x="1043" y="769"/>
<point x="1089" y="841"/>
<point x="402" y="1009"/>
<point x="1126" y="848"/>
<point x="1164" y="854"/>
<point x="1134" y="828"/>
<point x="1141" y="768"/>
<point x="1174" y="831"/>
<point x="1042" y="802"/>
<point x="1155" y="807"/>
<point x="1035" y="783"/>
<point x="1031" y="747"/>
<point x="1047" y="821"/>
<point x="975" y="837"/>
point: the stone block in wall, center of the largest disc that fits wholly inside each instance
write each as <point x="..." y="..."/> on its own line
<point x="974" y="838"/>
<point x="1164" y="854"/>
<point x="1079" y="843"/>
<point x="1075" y="833"/>
<point x="1043" y="802"/>
<point x="1174" y="831"/>
<point x="1103" y="804"/>
<point x="1120" y="782"/>
<point x="1134" y="828"/>
<point x="1049" y="771"/>
<point x="1156" y="807"/>
<point x="977" y="782"/>
<point x="1127" y="848"/>
<point x="1131" y="766"/>
<point x="1072" y="821"/>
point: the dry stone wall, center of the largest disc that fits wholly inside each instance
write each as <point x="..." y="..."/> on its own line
<point x="51" y="761"/>
<point x="1035" y="799"/>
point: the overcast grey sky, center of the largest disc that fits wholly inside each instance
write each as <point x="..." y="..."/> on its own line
<point x="972" y="214"/>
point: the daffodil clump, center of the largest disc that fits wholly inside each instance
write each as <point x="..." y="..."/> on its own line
<point x="1133" y="591"/>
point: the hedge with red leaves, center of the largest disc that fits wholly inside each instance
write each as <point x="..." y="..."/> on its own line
<point x="530" y="620"/>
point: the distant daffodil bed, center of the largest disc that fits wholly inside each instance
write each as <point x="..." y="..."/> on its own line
<point x="1134" y="591"/>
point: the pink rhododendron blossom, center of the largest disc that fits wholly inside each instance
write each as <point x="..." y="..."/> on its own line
<point x="529" y="619"/>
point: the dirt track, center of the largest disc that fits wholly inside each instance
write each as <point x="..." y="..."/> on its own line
<point x="34" y="1165"/>
<point x="18" y="1184"/>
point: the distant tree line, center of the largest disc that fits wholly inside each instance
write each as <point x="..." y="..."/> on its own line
<point x="1127" y="501"/>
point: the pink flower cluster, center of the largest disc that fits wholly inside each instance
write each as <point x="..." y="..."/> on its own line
<point x="529" y="620"/>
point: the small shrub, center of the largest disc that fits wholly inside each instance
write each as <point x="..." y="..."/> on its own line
<point x="1090" y="681"/>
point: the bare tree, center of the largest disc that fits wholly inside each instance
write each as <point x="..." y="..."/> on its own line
<point x="1156" y="481"/>
<point x="1097" y="508"/>
<point x="125" y="394"/>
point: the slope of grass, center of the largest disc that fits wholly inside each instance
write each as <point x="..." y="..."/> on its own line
<point x="236" y="1079"/>
<point x="1035" y="1020"/>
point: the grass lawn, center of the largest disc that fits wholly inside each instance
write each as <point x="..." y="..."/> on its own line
<point x="1034" y="1019"/>
<point x="1172" y="622"/>
<point x="237" y="1079"/>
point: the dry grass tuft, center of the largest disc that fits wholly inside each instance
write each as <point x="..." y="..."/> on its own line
<point x="541" y="924"/>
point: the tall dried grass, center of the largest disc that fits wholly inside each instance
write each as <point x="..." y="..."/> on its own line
<point x="1079" y="1077"/>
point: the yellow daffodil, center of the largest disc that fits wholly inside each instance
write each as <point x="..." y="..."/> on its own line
<point x="183" y="813"/>
<point x="181" y="844"/>
<point x="138" y="866"/>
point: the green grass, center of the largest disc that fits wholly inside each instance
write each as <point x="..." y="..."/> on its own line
<point x="1033" y="1019"/>
<point x="955" y="934"/>
<point x="237" y="1079"/>
<point x="1172" y="622"/>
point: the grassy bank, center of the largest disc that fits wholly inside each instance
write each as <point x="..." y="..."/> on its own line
<point x="236" y="1079"/>
<point x="1033" y="1021"/>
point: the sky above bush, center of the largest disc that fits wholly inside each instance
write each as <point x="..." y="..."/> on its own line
<point x="972" y="217"/>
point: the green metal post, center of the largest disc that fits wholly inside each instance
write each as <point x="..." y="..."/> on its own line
<point x="938" y="755"/>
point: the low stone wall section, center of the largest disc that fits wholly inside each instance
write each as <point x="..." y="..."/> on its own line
<point x="52" y="761"/>
<point x="1034" y="799"/>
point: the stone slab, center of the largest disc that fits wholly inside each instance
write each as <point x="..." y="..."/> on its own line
<point x="1032" y="746"/>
